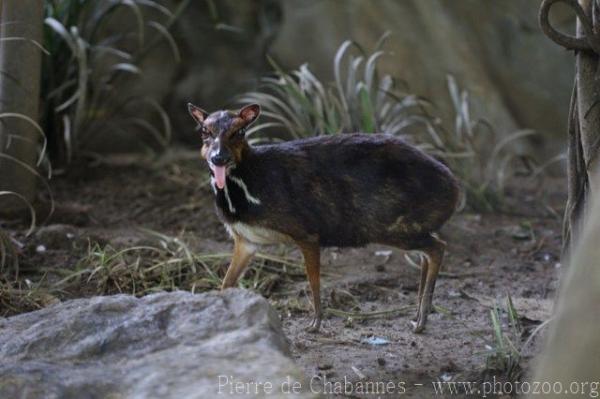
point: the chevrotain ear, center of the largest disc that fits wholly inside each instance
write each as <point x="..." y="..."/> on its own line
<point x="249" y="113"/>
<point x="197" y="113"/>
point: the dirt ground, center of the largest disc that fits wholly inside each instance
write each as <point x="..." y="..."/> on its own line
<point x="490" y="256"/>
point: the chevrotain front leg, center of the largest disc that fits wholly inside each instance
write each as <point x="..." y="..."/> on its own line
<point x="242" y="255"/>
<point x="312" y="263"/>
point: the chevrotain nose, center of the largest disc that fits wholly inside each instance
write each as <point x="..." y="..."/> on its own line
<point x="220" y="159"/>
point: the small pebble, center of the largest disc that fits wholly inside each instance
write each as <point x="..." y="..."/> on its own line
<point x="375" y="341"/>
<point x="40" y="249"/>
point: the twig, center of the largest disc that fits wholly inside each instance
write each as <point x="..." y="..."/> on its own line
<point x="369" y="315"/>
<point x="412" y="264"/>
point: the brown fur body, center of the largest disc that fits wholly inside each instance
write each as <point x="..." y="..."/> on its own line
<point x="343" y="190"/>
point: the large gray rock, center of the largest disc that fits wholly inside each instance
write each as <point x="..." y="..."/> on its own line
<point x="166" y="345"/>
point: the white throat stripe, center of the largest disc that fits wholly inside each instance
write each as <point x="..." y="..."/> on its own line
<point x="231" y="208"/>
<point x="249" y="197"/>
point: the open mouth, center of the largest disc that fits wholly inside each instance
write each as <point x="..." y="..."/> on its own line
<point x="219" y="173"/>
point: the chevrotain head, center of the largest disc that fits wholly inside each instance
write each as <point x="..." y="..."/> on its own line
<point x="223" y="137"/>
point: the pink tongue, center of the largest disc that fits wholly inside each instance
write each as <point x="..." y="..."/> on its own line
<point x="219" y="172"/>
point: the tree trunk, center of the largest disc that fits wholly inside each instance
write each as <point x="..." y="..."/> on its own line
<point x="584" y="118"/>
<point x="588" y="124"/>
<point x="20" y="70"/>
<point x="572" y="350"/>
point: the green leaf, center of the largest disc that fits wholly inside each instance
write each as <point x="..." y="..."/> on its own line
<point x="367" y="117"/>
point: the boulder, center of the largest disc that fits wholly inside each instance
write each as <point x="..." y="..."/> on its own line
<point x="165" y="345"/>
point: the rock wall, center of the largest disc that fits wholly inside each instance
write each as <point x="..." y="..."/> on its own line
<point x="516" y="76"/>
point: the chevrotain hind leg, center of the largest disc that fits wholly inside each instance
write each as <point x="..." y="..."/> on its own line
<point x="311" y="253"/>
<point x="434" y="254"/>
<point x="424" y="268"/>
<point x="242" y="255"/>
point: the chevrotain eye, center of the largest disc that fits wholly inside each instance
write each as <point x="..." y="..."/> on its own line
<point x="204" y="132"/>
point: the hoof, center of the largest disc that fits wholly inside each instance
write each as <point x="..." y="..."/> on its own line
<point x="419" y="324"/>
<point x="424" y="308"/>
<point x="415" y="318"/>
<point x="314" y="326"/>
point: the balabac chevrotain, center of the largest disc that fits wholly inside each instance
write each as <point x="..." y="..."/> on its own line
<point x="343" y="190"/>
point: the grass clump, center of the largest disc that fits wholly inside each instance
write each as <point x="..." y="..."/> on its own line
<point x="360" y="99"/>
<point x="164" y="263"/>
<point x="167" y="265"/>
<point x="21" y="296"/>
<point x="475" y="151"/>
<point x="504" y="355"/>
<point x="90" y="62"/>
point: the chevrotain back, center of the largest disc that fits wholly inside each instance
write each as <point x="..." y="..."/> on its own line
<point x="344" y="190"/>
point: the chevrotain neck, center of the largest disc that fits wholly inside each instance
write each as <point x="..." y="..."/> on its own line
<point x="238" y="200"/>
<point x="246" y="150"/>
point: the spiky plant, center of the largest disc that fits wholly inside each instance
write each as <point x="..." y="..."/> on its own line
<point x="482" y="157"/>
<point x="504" y="354"/>
<point x="89" y="63"/>
<point x="360" y="99"/>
